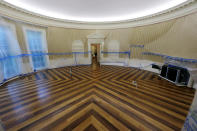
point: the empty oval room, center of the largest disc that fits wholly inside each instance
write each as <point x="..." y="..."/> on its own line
<point x="98" y="65"/>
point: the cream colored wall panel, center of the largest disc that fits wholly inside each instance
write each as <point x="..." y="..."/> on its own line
<point x="175" y="37"/>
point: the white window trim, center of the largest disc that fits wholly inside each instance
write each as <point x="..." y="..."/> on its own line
<point x="45" y="45"/>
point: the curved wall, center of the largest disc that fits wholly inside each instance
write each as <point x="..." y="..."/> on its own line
<point x="175" y="37"/>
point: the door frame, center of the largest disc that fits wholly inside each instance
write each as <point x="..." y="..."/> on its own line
<point x="45" y="45"/>
<point x="97" y="44"/>
<point x="96" y="38"/>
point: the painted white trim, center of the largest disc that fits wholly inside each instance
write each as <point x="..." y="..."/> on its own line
<point x="18" y="14"/>
<point x="25" y="28"/>
<point x="96" y="36"/>
<point x="113" y="63"/>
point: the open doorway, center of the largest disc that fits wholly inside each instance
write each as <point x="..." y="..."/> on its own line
<point x="95" y="49"/>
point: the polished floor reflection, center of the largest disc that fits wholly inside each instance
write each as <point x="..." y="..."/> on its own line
<point x="93" y="98"/>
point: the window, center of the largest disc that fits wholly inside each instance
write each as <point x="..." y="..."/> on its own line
<point x="10" y="65"/>
<point x="36" y="43"/>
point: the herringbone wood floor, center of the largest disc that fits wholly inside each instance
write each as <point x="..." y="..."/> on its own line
<point x="93" y="99"/>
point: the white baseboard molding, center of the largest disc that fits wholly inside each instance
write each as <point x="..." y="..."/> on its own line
<point x="113" y="63"/>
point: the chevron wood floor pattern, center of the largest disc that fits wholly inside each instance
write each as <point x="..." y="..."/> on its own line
<point x="99" y="98"/>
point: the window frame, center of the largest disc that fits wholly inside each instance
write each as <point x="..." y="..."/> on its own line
<point x="44" y="45"/>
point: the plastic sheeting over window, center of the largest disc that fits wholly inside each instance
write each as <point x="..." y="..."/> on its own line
<point x="34" y="39"/>
<point x="9" y="66"/>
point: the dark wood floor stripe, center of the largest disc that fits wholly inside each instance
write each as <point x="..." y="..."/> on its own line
<point x="47" y="108"/>
<point x="29" y="90"/>
<point x="59" y="120"/>
<point x="35" y="100"/>
<point x="141" y="93"/>
<point x="137" y="100"/>
<point x="165" y="92"/>
<point x="47" y="99"/>
<point x="139" y="109"/>
<point x="50" y="74"/>
<point x="165" y="99"/>
<point x="90" y="128"/>
<point x="29" y="93"/>
<point x="145" y="75"/>
<point x="39" y="84"/>
<point x="163" y="88"/>
<point x="129" y="125"/>
<point x="167" y="95"/>
<point x="45" y="82"/>
<point x="190" y="94"/>
<point x="97" y="116"/>
<point x="48" y="104"/>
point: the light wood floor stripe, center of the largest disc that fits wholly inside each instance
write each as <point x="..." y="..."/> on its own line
<point x="93" y="98"/>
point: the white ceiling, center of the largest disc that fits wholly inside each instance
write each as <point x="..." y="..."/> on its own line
<point x="96" y="10"/>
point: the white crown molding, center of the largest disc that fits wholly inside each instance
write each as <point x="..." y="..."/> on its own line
<point x="96" y="36"/>
<point x="18" y="14"/>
